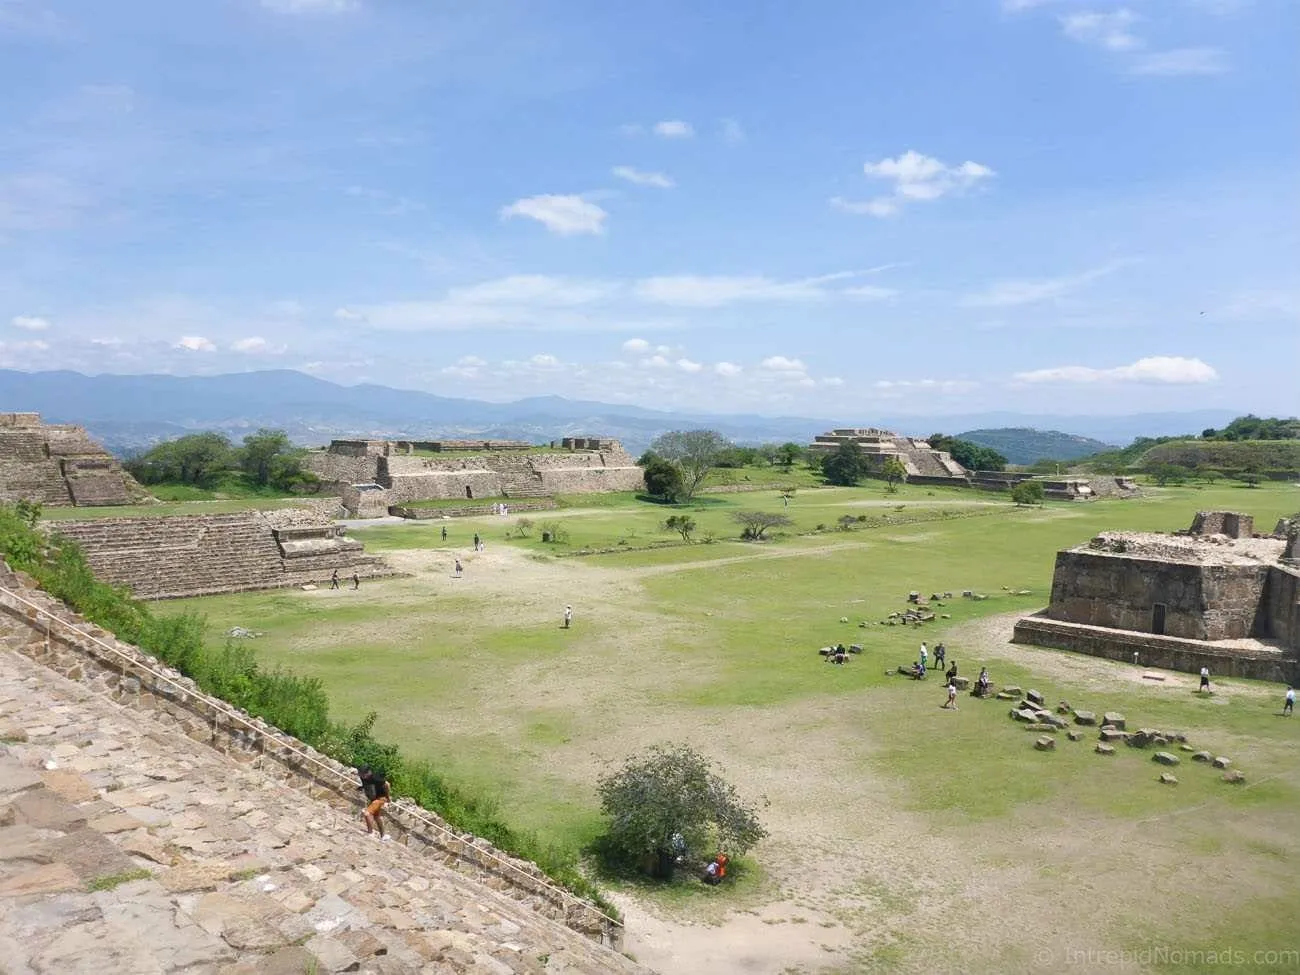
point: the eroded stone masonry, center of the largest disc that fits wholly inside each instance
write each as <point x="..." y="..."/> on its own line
<point x="57" y="464"/>
<point x="1217" y="595"/>
<point x="375" y="475"/>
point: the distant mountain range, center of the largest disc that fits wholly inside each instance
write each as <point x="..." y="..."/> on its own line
<point x="129" y="413"/>
<point x="1024" y="445"/>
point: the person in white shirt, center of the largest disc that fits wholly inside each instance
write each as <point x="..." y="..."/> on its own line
<point x="924" y="653"/>
<point x="1205" y="680"/>
<point x="952" y="696"/>
<point x="1288" y="707"/>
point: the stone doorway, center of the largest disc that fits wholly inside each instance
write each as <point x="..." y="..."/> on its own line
<point x="1158" y="619"/>
<point x="469" y="492"/>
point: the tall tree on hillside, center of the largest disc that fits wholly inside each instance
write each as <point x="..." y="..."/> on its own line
<point x="271" y="460"/>
<point x="694" y="452"/>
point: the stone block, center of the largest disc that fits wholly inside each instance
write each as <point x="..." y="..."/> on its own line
<point x="1202" y="757"/>
<point x="1166" y="758"/>
<point x="1168" y="779"/>
<point x="1222" y="762"/>
<point x="1112" y="734"/>
<point x="1013" y="690"/>
<point x="1085" y="718"/>
<point x="47" y="810"/>
<point x="70" y="785"/>
<point x="1074" y="735"/>
<point x="15" y="778"/>
<point x="1035" y="697"/>
<point x="51" y="878"/>
<point x="1040" y="726"/>
<point x="1104" y="749"/>
<point x="1234" y="777"/>
<point x="1004" y="696"/>
<point x="1114" y="719"/>
<point x="1045" y="743"/>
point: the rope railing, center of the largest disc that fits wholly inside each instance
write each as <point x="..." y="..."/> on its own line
<point x="565" y="897"/>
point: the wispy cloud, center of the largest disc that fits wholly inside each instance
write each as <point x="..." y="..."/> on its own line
<point x="674" y="129"/>
<point x="311" y="6"/>
<point x="256" y="345"/>
<point x="703" y="291"/>
<point x="640" y="178"/>
<point x="566" y="215"/>
<point x="194" y="343"/>
<point x="1181" y="61"/>
<point x="916" y="177"/>
<point x="1110" y="30"/>
<point x="30" y="323"/>
<point x="1015" y="293"/>
<point x="1157" y="370"/>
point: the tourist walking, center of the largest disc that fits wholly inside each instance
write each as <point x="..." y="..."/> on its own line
<point x="924" y="655"/>
<point x="568" y="616"/>
<point x="444" y="533"/>
<point x="1288" y="706"/>
<point x="952" y="696"/>
<point x="478" y="543"/>
<point x="1205" y="680"/>
<point x="459" y="569"/>
<point x="356" y="582"/>
<point x="334" y="579"/>
<point x="939" y="653"/>
<point x="377" y="793"/>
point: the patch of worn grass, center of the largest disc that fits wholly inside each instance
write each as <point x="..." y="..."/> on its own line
<point x="112" y="880"/>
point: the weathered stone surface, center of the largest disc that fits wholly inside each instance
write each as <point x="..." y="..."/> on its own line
<point x="1114" y="719"/>
<point x="1104" y="749"/>
<point x="15" y="778"/>
<point x="90" y="855"/>
<point x="115" y="823"/>
<point x="1074" y="735"/>
<point x="69" y="785"/>
<point x="1020" y="715"/>
<point x="1141" y="738"/>
<point x="1004" y="696"/>
<point x="1085" y="717"/>
<point x="1112" y="734"/>
<point x="1222" y="762"/>
<point x="195" y="876"/>
<point x="47" y="810"/>
<point x="1034" y="697"/>
<point x="1013" y="690"/>
<point x="1045" y="743"/>
<point x="1168" y="778"/>
<point x="1166" y="758"/>
<point x="331" y="955"/>
<point x="143" y="845"/>
<point x="1234" y="777"/>
<point x="24" y="842"/>
<point x="1040" y="726"/>
<point x="1202" y="757"/>
<point x="50" y="878"/>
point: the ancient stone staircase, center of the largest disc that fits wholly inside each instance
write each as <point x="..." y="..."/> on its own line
<point x="128" y="844"/>
<point x="519" y="479"/>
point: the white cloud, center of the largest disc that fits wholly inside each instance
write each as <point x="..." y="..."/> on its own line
<point x="310" y="6"/>
<point x="471" y="361"/>
<point x="696" y="291"/>
<point x="1181" y="61"/>
<point x="348" y="315"/>
<point x="1160" y="370"/>
<point x="869" y="292"/>
<point x="639" y="178"/>
<point x="1109" y="30"/>
<point x="636" y="346"/>
<point x="31" y="345"/>
<point x="566" y="215"/>
<point x="256" y="345"/>
<point x="916" y="177"/>
<point x="674" y="129"/>
<point x="194" y="343"/>
<point x="532" y="289"/>
<point x="686" y="365"/>
<point x="1012" y="294"/>
<point x="656" y="362"/>
<point x="732" y="131"/>
<point x="779" y="363"/>
<point x="30" y="323"/>
<point x="832" y="381"/>
<point x="727" y="369"/>
<point x="544" y="361"/>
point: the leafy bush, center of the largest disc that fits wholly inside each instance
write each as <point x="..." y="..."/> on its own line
<point x="1028" y="492"/>
<point x="684" y="525"/>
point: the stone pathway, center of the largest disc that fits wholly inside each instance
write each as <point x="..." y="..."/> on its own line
<point x="127" y="848"/>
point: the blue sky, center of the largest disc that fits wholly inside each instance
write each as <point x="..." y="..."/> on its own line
<point x="838" y="208"/>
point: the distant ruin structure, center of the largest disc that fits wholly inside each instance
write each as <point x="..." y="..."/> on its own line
<point x="201" y="555"/>
<point x="1216" y="595"/>
<point x="924" y="464"/>
<point x="58" y="465"/>
<point x="375" y="475"/>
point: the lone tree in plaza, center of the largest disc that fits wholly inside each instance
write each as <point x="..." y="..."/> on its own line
<point x="684" y="525"/>
<point x="846" y="465"/>
<point x="755" y="523"/>
<point x="663" y="480"/>
<point x="893" y="471"/>
<point x="693" y="452"/>
<point x="1028" y="492"/>
<point x="669" y="805"/>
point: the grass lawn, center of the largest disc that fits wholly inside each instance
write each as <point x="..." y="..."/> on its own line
<point x="883" y="807"/>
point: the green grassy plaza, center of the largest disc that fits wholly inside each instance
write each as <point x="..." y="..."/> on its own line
<point x="903" y="836"/>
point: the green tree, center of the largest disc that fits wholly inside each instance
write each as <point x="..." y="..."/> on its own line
<point x="893" y="471"/>
<point x="1169" y="474"/>
<point x="754" y="524"/>
<point x="663" y="480"/>
<point x="670" y="803"/>
<point x="271" y="460"/>
<point x="694" y="452"/>
<point x="846" y="465"/>
<point x="1028" y="492"/>
<point x="193" y="459"/>
<point x="684" y="525"/>
<point x="789" y="454"/>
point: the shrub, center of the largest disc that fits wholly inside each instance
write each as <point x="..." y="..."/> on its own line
<point x="1028" y="492"/>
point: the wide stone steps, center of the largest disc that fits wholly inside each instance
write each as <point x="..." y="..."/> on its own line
<point x="126" y="848"/>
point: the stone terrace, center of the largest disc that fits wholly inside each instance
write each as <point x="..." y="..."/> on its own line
<point x="235" y="873"/>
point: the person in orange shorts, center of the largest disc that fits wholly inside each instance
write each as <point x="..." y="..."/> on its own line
<point x="377" y="795"/>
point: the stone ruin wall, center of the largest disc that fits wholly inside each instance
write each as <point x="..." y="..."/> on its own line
<point x="1230" y="523"/>
<point x="1282" y="605"/>
<point x="95" y="659"/>
<point x="199" y="555"/>
<point x="58" y="465"/>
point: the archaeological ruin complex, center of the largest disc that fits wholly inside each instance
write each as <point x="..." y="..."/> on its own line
<point x="924" y="464"/>
<point x="58" y="465"/>
<point x="1217" y="595"/>
<point x="375" y="475"/>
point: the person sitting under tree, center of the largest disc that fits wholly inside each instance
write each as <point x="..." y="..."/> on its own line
<point x="716" y="871"/>
<point x="983" y="682"/>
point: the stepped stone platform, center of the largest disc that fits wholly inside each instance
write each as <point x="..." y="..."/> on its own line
<point x="129" y="844"/>
<point x="200" y="555"/>
<point x="924" y="464"/>
<point x="59" y="465"/>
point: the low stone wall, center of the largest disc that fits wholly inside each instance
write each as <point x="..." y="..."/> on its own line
<point x="1168" y="653"/>
<point x="80" y="651"/>
<point x="469" y="511"/>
